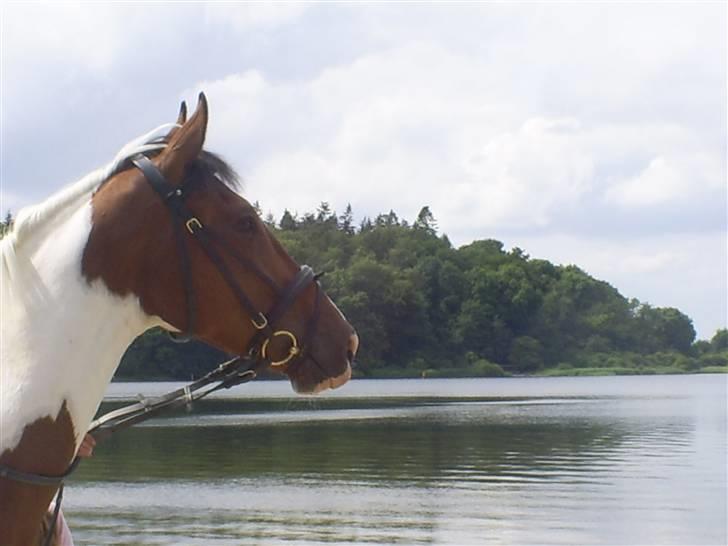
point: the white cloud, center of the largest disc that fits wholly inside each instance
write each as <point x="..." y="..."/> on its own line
<point x="358" y="132"/>
<point x="657" y="183"/>
<point x="246" y="16"/>
<point x="236" y="104"/>
<point x="523" y="178"/>
<point x="680" y="179"/>
<point x="420" y="118"/>
<point x="73" y="33"/>
<point x="362" y="132"/>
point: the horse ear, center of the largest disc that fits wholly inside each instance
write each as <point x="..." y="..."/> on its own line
<point x="185" y="143"/>
<point x="181" y="119"/>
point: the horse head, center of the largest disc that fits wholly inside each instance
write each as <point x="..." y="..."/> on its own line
<point x="172" y="230"/>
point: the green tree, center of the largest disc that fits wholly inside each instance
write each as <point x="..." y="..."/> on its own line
<point x="288" y="221"/>
<point x="526" y="354"/>
<point x="426" y="221"/>
<point x="719" y="342"/>
<point x="346" y="221"/>
<point x="662" y="328"/>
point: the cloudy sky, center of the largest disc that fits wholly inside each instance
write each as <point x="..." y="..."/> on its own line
<point x="592" y="134"/>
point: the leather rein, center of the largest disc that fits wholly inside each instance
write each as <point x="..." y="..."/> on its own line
<point x="238" y="370"/>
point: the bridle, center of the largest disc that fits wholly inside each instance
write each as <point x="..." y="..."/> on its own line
<point x="184" y="221"/>
<point x="233" y="372"/>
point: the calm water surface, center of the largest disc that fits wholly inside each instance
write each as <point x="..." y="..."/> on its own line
<point x="612" y="460"/>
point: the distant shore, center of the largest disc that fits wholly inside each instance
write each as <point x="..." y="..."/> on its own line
<point x="457" y="374"/>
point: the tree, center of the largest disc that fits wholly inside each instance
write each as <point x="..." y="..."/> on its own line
<point x="365" y="225"/>
<point x="720" y="341"/>
<point x="389" y="219"/>
<point x="664" y="328"/>
<point x="270" y="220"/>
<point x="676" y="329"/>
<point x="288" y="221"/>
<point x="346" y="221"/>
<point x="426" y="221"/>
<point x="324" y="214"/>
<point x="526" y="354"/>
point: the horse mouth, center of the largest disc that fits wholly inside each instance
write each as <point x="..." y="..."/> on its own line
<point x="306" y="381"/>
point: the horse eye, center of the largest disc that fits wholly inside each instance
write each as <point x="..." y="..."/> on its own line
<point x="246" y="224"/>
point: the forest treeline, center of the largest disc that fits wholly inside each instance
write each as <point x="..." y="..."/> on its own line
<point x="423" y="307"/>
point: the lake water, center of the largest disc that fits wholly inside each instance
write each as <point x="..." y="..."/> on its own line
<point x="608" y="460"/>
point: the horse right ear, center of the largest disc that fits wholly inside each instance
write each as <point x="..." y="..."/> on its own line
<point x="185" y="143"/>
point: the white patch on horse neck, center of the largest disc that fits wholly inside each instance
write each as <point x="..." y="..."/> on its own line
<point x="61" y="337"/>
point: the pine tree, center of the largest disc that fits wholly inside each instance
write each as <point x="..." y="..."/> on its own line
<point x="270" y="220"/>
<point x="346" y="221"/>
<point x="288" y="221"/>
<point x="425" y="221"/>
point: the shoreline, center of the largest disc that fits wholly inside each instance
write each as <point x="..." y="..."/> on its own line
<point x="553" y="372"/>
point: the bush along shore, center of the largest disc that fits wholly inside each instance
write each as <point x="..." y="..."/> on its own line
<point x="424" y="308"/>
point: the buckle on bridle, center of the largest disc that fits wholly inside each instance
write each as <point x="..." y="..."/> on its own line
<point x="192" y="224"/>
<point x="263" y="324"/>
<point x="292" y="352"/>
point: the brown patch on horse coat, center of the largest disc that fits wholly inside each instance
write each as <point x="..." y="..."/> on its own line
<point x="132" y="246"/>
<point x="132" y="249"/>
<point x="46" y="447"/>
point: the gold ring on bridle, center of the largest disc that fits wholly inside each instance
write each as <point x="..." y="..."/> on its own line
<point x="292" y="352"/>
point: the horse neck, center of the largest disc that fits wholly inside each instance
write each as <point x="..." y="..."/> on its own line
<point x="63" y="337"/>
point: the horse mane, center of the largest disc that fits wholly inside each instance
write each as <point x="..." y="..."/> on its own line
<point x="32" y="218"/>
<point x="210" y="164"/>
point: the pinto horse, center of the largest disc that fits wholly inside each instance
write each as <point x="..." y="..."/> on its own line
<point x="88" y="270"/>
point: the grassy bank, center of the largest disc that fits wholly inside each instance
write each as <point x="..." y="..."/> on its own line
<point x="594" y="364"/>
<point x="595" y="372"/>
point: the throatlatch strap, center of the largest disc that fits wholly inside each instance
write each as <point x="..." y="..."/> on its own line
<point x="36" y="479"/>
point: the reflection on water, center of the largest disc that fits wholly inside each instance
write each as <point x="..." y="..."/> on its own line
<point x="627" y="460"/>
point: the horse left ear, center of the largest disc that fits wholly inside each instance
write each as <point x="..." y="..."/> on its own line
<point x="181" y="119"/>
<point x="182" y="116"/>
<point x="185" y="144"/>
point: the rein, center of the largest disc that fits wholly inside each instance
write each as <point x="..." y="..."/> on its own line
<point x="236" y="371"/>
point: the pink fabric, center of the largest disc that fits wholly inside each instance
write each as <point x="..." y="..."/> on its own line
<point x="62" y="532"/>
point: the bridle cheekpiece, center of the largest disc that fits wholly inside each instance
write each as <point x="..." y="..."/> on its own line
<point x="184" y="220"/>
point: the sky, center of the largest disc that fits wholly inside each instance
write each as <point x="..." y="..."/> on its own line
<point x="583" y="133"/>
